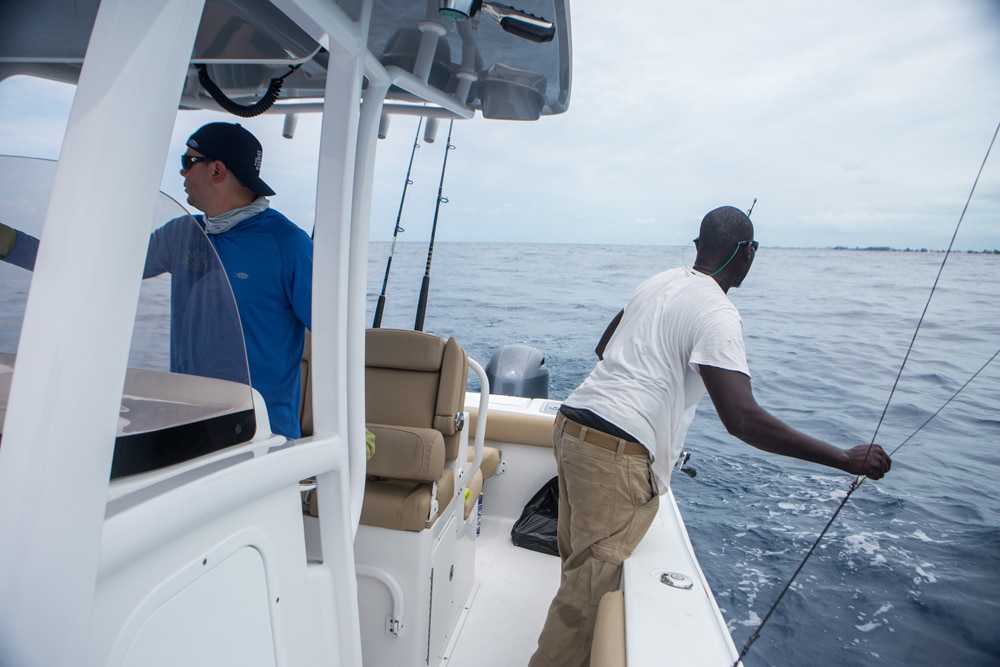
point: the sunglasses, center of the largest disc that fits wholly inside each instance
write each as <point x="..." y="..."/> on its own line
<point x="188" y="161"/>
<point x="752" y="244"/>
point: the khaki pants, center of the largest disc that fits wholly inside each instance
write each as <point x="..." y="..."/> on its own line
<point x="606" y="505"/>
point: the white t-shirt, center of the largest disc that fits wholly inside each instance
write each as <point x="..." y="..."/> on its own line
<point x="648" y="383"/>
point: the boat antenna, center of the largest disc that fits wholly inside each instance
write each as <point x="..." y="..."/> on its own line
<point x="380" y="305"/>
<point x="750" y="210"/>
<point x="859" y="480"/>
<point x="426" y="282"/>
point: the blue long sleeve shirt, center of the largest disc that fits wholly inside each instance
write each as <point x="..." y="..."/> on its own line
<point x="268" y="263"/>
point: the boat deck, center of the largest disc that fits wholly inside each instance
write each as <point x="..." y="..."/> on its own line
<point x="518" y="581"/>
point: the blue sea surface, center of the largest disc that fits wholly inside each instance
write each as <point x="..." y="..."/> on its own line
<point x="909" y="574"/>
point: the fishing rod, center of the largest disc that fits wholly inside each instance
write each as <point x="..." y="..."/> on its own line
<point x="426" y="282"/>
<point x="380" y="305"/>
<point x="859" y="480"/>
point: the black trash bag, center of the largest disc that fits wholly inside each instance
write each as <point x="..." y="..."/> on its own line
<point x="536" y="528"/>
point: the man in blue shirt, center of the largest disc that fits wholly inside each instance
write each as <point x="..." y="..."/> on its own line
<point x="268" y="263"/>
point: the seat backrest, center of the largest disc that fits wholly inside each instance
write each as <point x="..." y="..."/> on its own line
<point x="418" y="379"/>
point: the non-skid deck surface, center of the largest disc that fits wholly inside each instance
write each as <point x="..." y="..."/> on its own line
<point x="515" y="588"/>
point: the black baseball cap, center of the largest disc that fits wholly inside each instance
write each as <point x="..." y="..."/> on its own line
<point x="235" y="147"/>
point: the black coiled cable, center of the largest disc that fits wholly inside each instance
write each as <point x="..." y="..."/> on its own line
<point x="243" y="110"/>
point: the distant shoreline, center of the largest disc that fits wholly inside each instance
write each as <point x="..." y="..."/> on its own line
<point x="889" y="249"/>
<point x="995" y="251"/>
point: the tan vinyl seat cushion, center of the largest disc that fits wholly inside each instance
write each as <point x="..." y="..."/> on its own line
<point x="490" y="462"/>
<point x="408" y="453"/>
<point x="404" y="505"/>
<point x="514" y="427"/>
<point x="415" y="379"/>
<point x="608" y="649"/>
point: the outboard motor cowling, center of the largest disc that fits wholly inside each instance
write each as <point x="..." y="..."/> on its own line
<point x="518" y="370"/>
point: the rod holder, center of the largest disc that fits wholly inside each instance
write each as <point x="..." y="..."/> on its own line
<point x="291" y="122"/>
<point x="432" y="32"/>
<point x="383" y="125"/>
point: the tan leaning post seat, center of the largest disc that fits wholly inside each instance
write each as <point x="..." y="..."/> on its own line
<point x="414" y="397"/>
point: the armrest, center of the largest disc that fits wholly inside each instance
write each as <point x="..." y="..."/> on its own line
<point x="405" y="452"/>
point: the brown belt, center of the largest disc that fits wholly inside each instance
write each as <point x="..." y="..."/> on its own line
<point x="598" y="438"/>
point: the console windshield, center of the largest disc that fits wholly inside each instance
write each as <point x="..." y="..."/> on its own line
<point x="187" y="388"/>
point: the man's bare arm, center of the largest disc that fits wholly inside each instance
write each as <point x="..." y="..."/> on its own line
<point x="745" y="419"/>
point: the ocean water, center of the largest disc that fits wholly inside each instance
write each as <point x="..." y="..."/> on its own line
<point x="909" y="574"/>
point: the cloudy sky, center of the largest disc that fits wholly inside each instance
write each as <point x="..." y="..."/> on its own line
<point x="854" y="123"/>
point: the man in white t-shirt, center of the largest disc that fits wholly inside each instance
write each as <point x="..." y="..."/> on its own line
<point x="618" y="435"/>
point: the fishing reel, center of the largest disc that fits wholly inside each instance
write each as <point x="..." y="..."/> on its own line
<point x="682" y="464"/>
<point x="515" y="21"/>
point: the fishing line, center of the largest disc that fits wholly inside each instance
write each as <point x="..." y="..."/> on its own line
<point x="945" y="404"/>
<point x="856" y="484"/>
<point x="934" y="286"/>
<point x="684" y="249"/>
